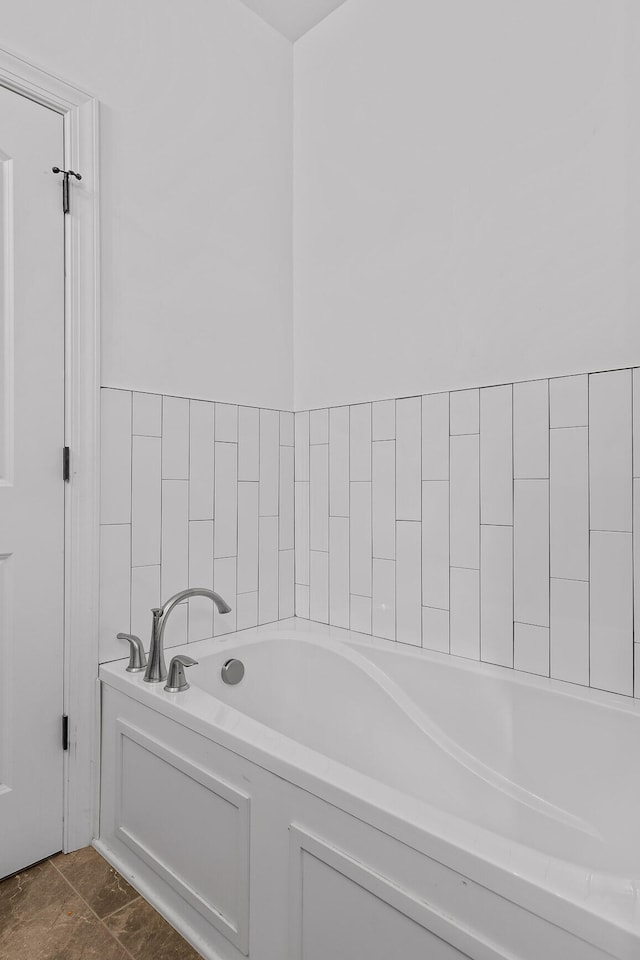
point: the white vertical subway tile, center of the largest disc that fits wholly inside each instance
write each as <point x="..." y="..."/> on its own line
<point x="408" y="458"/>
<point x="302" y="601"/>
<point x="360" y="539"/>
<point x="177" y="629"/>
<point x="636" y="422"/>
<point x="319" y="497"/>
<point x="200" y="575"/>
<point x="383" y="492"/>
<point x="286" y="429"/>
<point x="339" y="572"/>
<point x="610" y="450"/>
<point x="569" y="637"/>
<point x="496" y="455"/>
<point x="147" y="414"/>
<point x="636" y="558"/>
<point x="339" y="461"/>
<point x="201" y="451"/>
<point x="531" y="430"/>
<point x="226" y="500"/>
<point x="201" y="557"/>
<point x="360" y="614"/>
<point x="246" y="610"/>
<point x="145" y="501"/>
<point x="226" y="422"/>
<point x="175" y="438"/>
<point x="286" y="599"/>
<point x="496" y="595"/>
<point x="465" y="613"/>
<point x="319" y="426"/>
<point x="384" y="599"/>
<point x="569" y="503"/>
<point x="569" y="401"/>
<point x="302" y="445"/>
<point x="145" y="595"/>
<point x="464" y="412"/>
<point x="174" y="575"/>
<point x="302" y="532"/>
<point x="531" y="552"/>
<point x="224" y="583"/>
<point x="248" y="526"/>
<point x="268" y="593"/>
<point x="269" y="462"/>
<point x="360" y="441"/>
<point x="286" y="495"/>
<point x="115" y="589"/>
<point x="465" y="502"/>
<point x="248" y="443"/>
<point x="435" y="544"/>
<point x="611" y="612"/>
<point x="319" y="586"/>
<point x="435" y="436"/>
<point x="115" y="459"/>
<point x="531" y="649"/>
<point x="409" y="583"/>
<point x="383" y="420"/>
<point x="435" y="629"/>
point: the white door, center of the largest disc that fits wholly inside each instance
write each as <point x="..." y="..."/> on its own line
<point x="31" y="482"/>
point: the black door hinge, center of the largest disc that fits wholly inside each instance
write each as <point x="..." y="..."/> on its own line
<point x="65" y="732"/>
<point x="66" y="464"/>
<point x="66" y="197"/>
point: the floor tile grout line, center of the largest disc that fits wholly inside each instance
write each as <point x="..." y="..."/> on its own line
<point x="123" y="906"/>
<point x="89" y="907"/>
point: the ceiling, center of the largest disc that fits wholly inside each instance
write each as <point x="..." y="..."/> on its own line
<point x="292" y="18"/>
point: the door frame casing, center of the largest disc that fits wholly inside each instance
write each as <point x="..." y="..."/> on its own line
<point x="79" y="111"/>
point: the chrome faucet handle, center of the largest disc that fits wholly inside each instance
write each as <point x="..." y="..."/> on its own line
<point x="177" y="682"/>
<point x="137" y="656"/>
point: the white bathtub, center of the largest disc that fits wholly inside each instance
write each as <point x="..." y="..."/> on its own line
<point x="350" y="790"/>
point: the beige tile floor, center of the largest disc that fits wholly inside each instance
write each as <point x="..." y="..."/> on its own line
<point x="77" y="907"/>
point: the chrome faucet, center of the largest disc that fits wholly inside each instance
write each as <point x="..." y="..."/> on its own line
<point x="156" y="669"/>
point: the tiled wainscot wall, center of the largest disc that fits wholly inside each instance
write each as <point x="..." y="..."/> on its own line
<point x="495" y="524"/>
<point x="193" y="494"/>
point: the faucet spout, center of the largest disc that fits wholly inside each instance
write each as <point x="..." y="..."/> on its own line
<point x="156" y="668"/>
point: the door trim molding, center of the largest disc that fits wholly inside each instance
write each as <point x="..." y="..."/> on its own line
<point x="79" y="111"/>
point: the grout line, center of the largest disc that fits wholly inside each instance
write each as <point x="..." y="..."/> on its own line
<point x="549" y="511"/>
<point x="479" y="530"/>
<point x="90" y="908"/>
<point x="589" y="527"/>
<point x="634" y="571"/>
<point x="621" y="533"/>
<point x="570" y="426"/>
<point x="131" y="508"/>
<point x="188" y="613"/>
<point x="327" y="479"/>
<point x="449" y="511"/>
<point x="124" y="907"/>
<point x="513" y="534"/>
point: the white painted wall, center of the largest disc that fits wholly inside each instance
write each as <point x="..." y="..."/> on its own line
<point x="196" y="187"/>
<point x="466" y="199"/>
